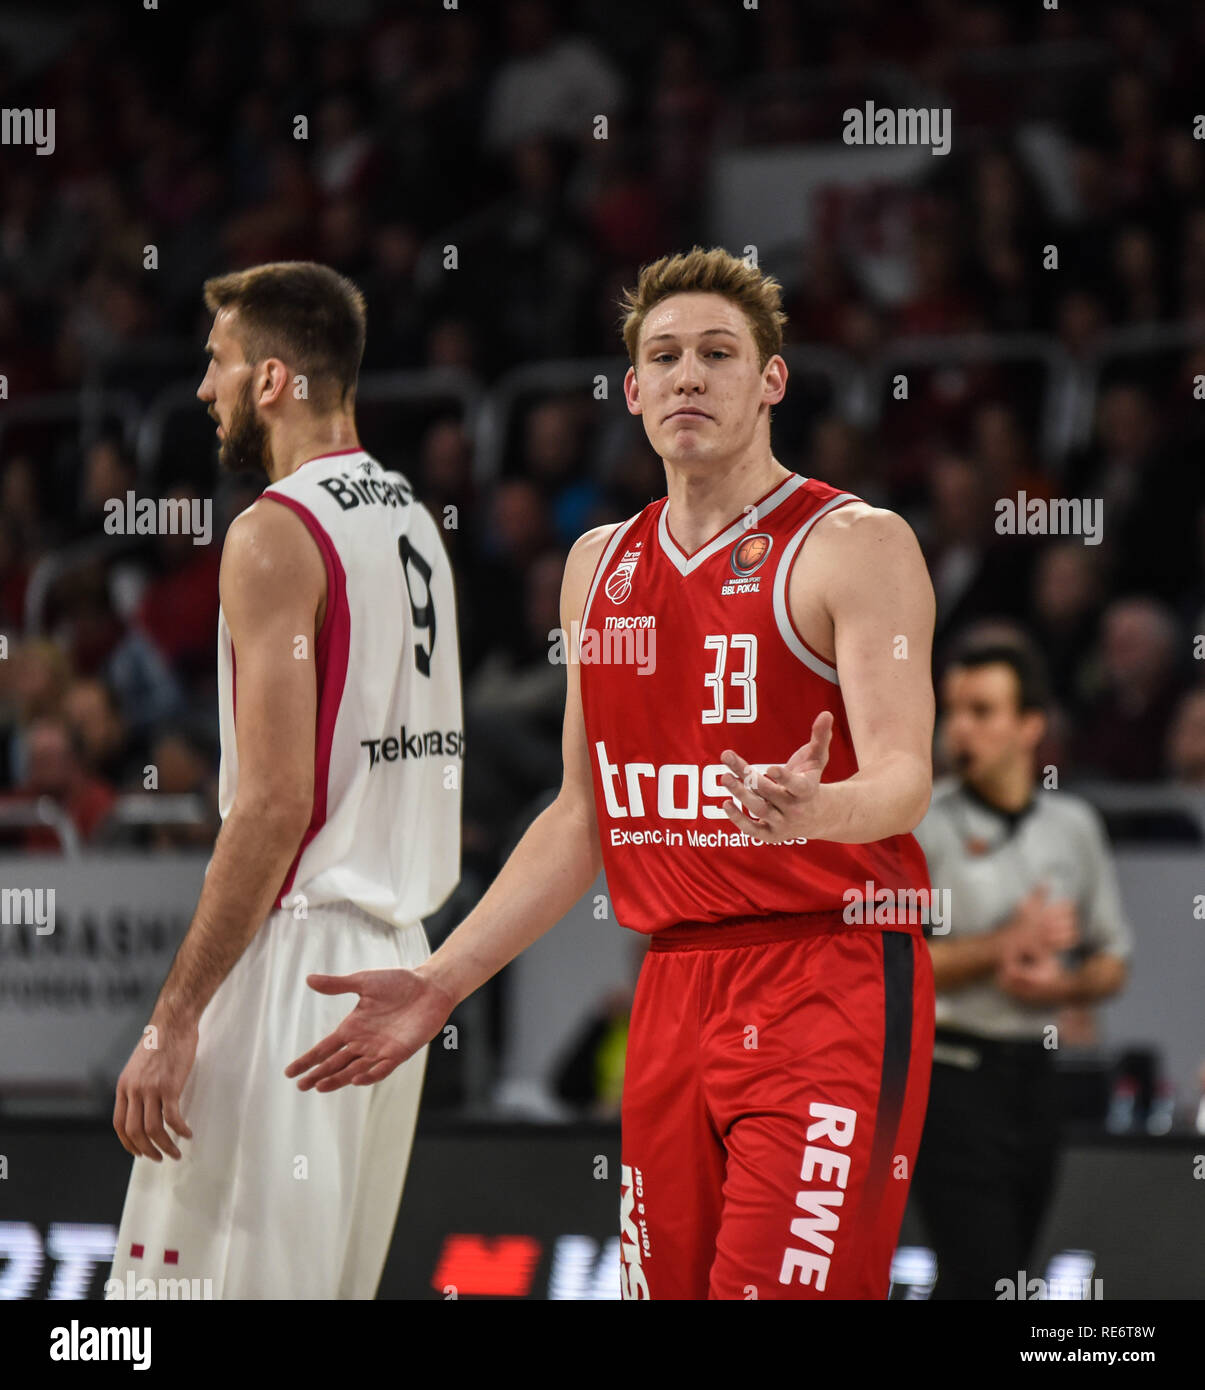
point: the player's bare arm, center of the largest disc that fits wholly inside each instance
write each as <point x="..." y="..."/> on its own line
<point x="555" y="862"/>
<point x="861" y="595"/>
<point x="272" y="585"/>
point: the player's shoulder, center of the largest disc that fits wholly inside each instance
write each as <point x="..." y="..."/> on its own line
<point x="264" y="523"/>
<point x="590" y="545"/>
<point x="586" y="553"/>
<point x="269" y="559"/>
<point x="860" y="525"/>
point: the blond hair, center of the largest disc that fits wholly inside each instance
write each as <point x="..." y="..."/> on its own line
<point x="756" y="294"/>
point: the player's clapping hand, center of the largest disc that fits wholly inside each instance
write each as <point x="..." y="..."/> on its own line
<point x="149" y="1087"/>
<point x="398" y="1012"/>
<point x="780" y="803"/>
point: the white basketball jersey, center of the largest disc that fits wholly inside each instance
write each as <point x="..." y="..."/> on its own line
<point x="389" y="742"/>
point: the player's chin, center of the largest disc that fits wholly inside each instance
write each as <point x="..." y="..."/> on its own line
<point x="684" y="444"/>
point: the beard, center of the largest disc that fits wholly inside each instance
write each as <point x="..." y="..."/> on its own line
<point x="245" y="448"/>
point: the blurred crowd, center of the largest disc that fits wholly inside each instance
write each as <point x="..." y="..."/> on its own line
<point x="372" y="137"/>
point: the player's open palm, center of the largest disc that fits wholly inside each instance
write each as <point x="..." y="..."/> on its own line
<point x="779" y="802"/>
<point x="399" y="1011"/>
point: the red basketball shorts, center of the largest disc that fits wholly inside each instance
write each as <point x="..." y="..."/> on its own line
<point x="775" y="1091"/>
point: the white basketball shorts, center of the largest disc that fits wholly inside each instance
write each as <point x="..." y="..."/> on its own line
<point x="280" y="1193"/>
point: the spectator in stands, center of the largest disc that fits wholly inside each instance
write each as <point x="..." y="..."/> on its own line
<point x="525" y="262"/>
<point x="636" y="478"/>
<point x="817" y="307"/>
<point x="57" y="768"/>
<point x="108" y="474"/>
<point x="683" y="118"/>
<point x="21" y="503"/>
<point x="1005" y="232"/>
<point x="452" y="343"/>
<point x="184" y="767"/>
<point x="179" y="610"/>
<point x="89" y="708"/>
<point x="1003" y="455"/>
<point x="514" y="707"/>
<point x="1066" y="599"/>
<point x="551" y="84"/>
<point x="1122" y="732"/>
<point x="552" y="453"/>
<point x="1080" y="320"/>
<point x="1139" y="291"/>
<point x="346" y="161"/>
<point x="37" y="676"/>
<point x="518" y="529"/>
<point x="1133" y="471"/>
<point x="1186" y="742"/>
<point x="975" y="572"/>
<point x="840" y="454"/>
<point x="445" y="479"/>
<point x="939" y="302"/>
<point x="388" y="286"/>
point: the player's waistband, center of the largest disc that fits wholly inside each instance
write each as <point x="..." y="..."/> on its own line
<point x="763" y="929"/>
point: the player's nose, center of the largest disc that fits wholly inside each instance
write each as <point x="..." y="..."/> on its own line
<point x="690" y="372"/>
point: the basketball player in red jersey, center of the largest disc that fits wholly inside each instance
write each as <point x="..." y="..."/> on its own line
<point x="751" y="794"/>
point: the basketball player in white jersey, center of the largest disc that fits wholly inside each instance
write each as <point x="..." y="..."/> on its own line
<point x="341" y="735"/>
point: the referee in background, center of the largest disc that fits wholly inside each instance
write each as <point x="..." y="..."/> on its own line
<point x="1035" y="923"/>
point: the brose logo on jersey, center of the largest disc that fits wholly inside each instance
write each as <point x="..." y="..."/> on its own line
<point x="674" y="789"/>
<point x="445" y="743"/>
<point x="619" y="582"/>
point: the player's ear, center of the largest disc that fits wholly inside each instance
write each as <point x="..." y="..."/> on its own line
<point x="631" y="391"/>
<point x="273" y="380"/>
<point x="774" y="379"/>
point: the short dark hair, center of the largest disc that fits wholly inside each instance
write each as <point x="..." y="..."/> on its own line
<point x="1025" y="662"/>
<point x="304" y="313"/>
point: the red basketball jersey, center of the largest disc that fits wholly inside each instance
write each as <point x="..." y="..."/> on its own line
<point x="686" y="655"/>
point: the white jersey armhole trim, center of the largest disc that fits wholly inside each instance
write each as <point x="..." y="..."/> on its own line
<point x="782" y="574"/>
<point x="612" y="545"/>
